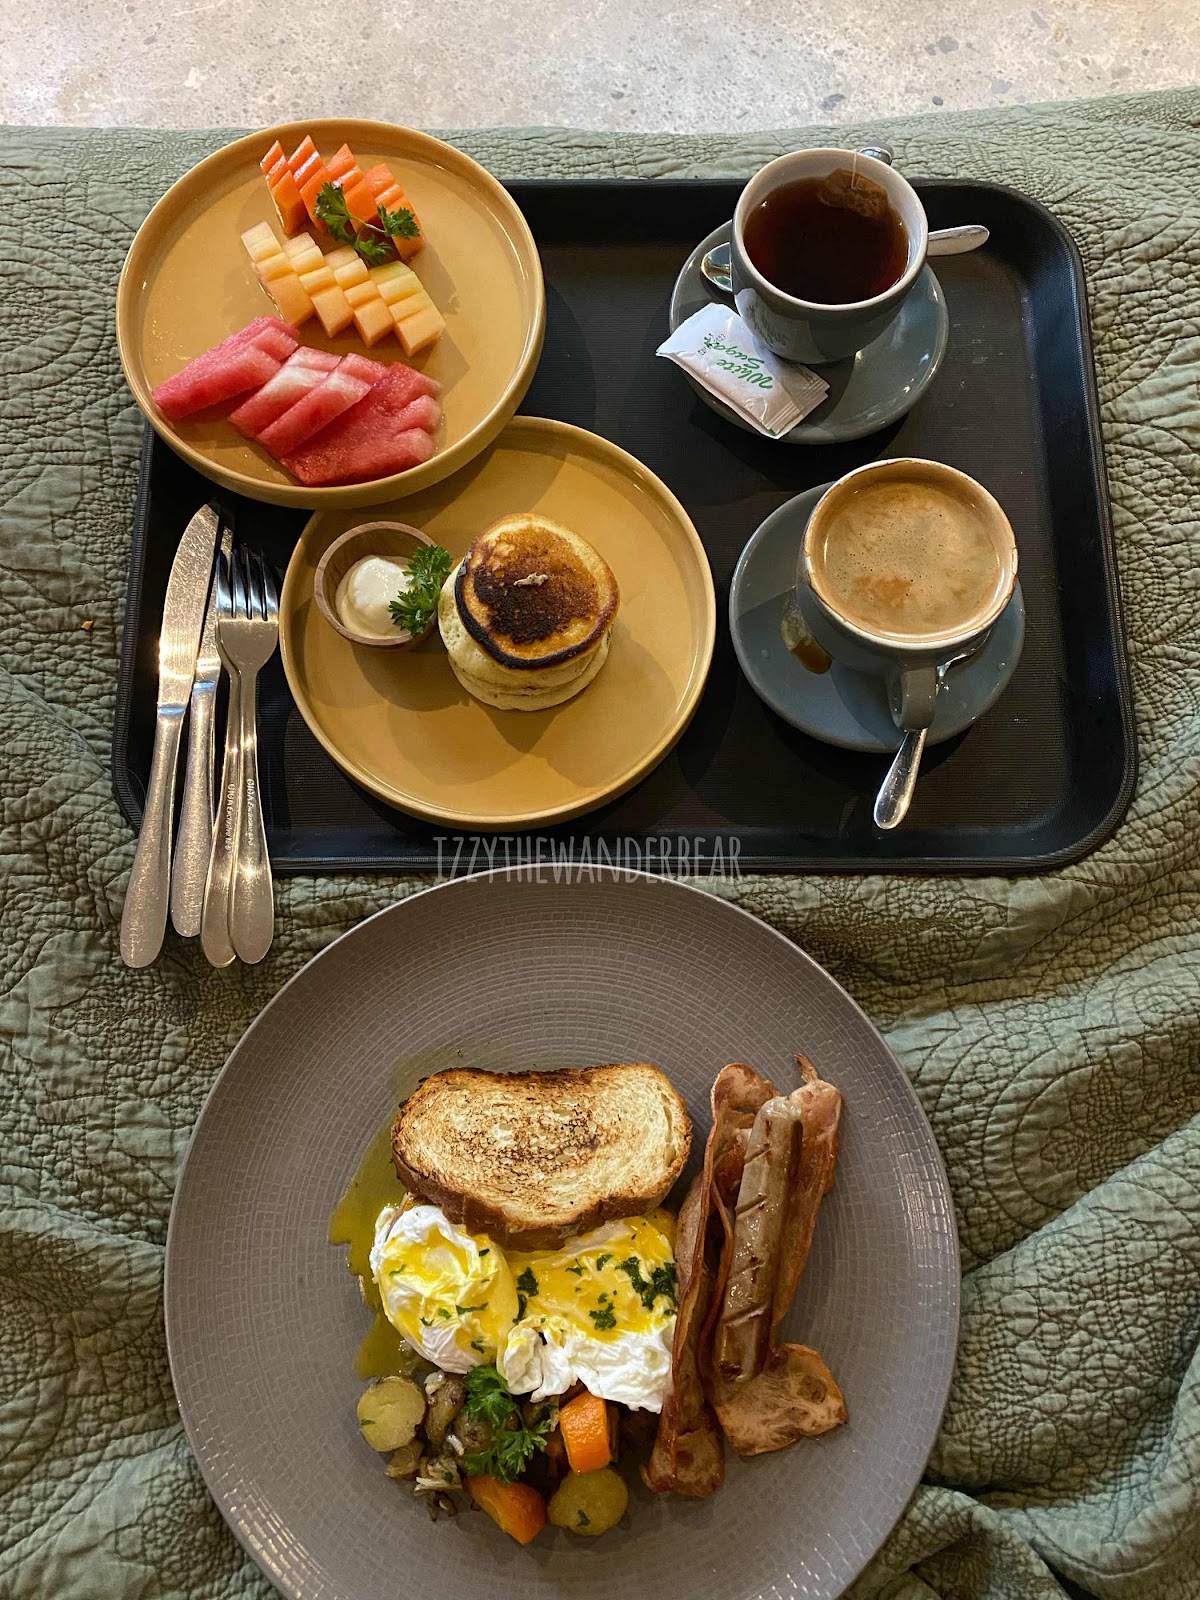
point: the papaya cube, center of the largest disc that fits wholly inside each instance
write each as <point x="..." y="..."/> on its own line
<point x="319" y="278"/>
<point x="273" y="156"/>
<point x="340" y="162"/>
<point x="423" y="328"/>
<point x="360" y="202"/>
<point x="310" y="189"/>
<point x="288" y="203"/>
<point x="354" y="273"/>
<point x="332" y="308"/>
<point x="361" y="294"/>
<point x="372" y="319"/>
<point x="276" y="266"/>
<point x="309" y="169"/>
<point x="260" y="241"/>
<point x="303" y="151"/>
<point x="379" y="180"/>
<point x="293" y="300"/>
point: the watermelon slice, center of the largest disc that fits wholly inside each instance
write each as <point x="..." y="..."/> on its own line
<point x="388" y="431"/>
<point x="349" y="381"/>
<point x="303" y="370"/>
<point x="245" y="360"/>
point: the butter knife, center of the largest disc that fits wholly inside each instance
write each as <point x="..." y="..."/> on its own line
<point x="194" y="845"/>
<point x="144" y="918"/>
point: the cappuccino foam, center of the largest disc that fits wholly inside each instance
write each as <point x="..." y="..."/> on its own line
<point x="909" y="558"/>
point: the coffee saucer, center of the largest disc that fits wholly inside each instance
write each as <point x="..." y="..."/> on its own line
<point x="840" y="706"/>
<point x="867" y="391"/>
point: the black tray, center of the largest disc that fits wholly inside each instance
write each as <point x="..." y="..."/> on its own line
<point x="1040" y="781"/>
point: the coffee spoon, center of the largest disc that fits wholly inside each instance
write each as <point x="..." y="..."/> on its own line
<point x="896" y="791"/>
<point x="942" y="242"/>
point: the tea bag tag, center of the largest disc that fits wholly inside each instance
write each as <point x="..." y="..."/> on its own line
<point x="722" y="354"/>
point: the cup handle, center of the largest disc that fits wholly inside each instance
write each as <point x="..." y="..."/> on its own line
<point x="915" y="697"/>
<point x="881" y="152"/>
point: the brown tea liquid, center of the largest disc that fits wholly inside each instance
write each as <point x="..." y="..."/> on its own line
<point x="832" y="240"/>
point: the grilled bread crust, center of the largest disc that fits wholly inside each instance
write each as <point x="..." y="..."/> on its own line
<point x="532" y="1158"/>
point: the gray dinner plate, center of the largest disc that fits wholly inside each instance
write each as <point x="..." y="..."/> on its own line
<point x="867" y="391"/>
<point x="505" y="971"/>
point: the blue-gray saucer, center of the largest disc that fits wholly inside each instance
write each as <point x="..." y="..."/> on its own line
<point x="867" y="391"/>
<point x="840" y="706"/>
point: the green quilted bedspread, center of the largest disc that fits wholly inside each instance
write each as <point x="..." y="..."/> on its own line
<point x="1050" y="1024"/>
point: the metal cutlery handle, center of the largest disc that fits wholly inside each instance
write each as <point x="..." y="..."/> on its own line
<point x="193" y="847"/>
<point x="144" y="919"/>
<point x="218" y="888"/>
<point x="252" y="919"/>
<point x="957" y="241"/>
<point x="895" y="795"/>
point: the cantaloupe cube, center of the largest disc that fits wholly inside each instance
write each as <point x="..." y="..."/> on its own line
<point x="423" y="328"/>
<point x="342" y="256"/>
<point x="372" y="318"/>
<point x="318" y="279"/>
<point x="276" y="266"/>
<point x="395" y="281"/>
<point x="303" y="252"/>
<point x="293" y="300"/>
<point x="354" y="272"/>
<point x="361" y="294"/>
<point x="260" y="241"/>
<point x="333" y="309"/>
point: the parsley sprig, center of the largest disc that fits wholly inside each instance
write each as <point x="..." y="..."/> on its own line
<point x="660" y="1282"/>
<point x="415" y="607"/>
<point x="513" y="1444"/>
<point x="373" y="243"/>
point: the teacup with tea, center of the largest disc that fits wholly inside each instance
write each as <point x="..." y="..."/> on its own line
<point x="906" y="564"/>
<point x="826" y="246"/>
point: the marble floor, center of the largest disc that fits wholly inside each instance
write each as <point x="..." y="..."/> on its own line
<point x="610" y="64"/>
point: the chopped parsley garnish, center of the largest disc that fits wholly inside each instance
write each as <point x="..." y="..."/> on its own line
<point x="484" y="1252"/>
<point x="477" y="1344"/>
<point x="582" y="1520"/>
<point x="442" y="1312"/>
<point x="527" y="1283"/>
<point x="661" y="1281"/>
<point x="415" y="607"/>
<point x="578" y="1271"/>
<point x="427" y="1322"/>
<point x="606" y="1317"/>
<point x="602" y="1261"/>
<point x="513" y="1443"/>
<point x="465" y="1310"/>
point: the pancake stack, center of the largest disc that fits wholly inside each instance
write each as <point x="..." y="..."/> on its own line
<point x="526" y="616"/>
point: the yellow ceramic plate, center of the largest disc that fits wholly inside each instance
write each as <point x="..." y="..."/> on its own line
<point x="187" y="284"/>
<point x="397" y="720"/>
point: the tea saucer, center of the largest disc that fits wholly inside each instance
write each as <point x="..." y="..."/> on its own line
<point x="867" y="391"/>
<point x="840" y="706"/>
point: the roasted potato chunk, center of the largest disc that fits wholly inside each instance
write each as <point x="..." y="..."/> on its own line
<point x="390" y="1412"/>
<point x="589" y="1503"/>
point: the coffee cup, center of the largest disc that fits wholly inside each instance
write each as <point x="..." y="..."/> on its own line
<point x="905" y="566"/>
<point x="781" y="310"/>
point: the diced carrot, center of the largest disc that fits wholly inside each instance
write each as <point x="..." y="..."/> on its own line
<point x="360" y="202"/>
<point x="584" y="1425"/>
<point x="274" y="154"/>
<point x="291" y="208"/>
<point x="341" y="162"/>
<point x="517" y="1508"/>
<point x="379" y="179"/>
<point x="302" y="152"/>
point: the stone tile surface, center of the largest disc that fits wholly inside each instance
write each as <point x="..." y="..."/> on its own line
<point x="613" y="64"/>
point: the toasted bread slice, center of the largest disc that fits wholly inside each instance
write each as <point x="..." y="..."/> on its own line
<point x="533" y="594"/>
<point x="534" y="1157"/>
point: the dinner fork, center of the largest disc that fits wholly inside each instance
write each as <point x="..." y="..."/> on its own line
<point x="215" y="938"/>
<point x="250" y="636"/>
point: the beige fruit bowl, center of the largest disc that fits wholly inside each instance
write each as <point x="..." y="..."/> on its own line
<point x="187" y="284"/>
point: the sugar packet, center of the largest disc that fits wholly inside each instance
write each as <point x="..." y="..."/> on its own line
<point x="720" y="352"/>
